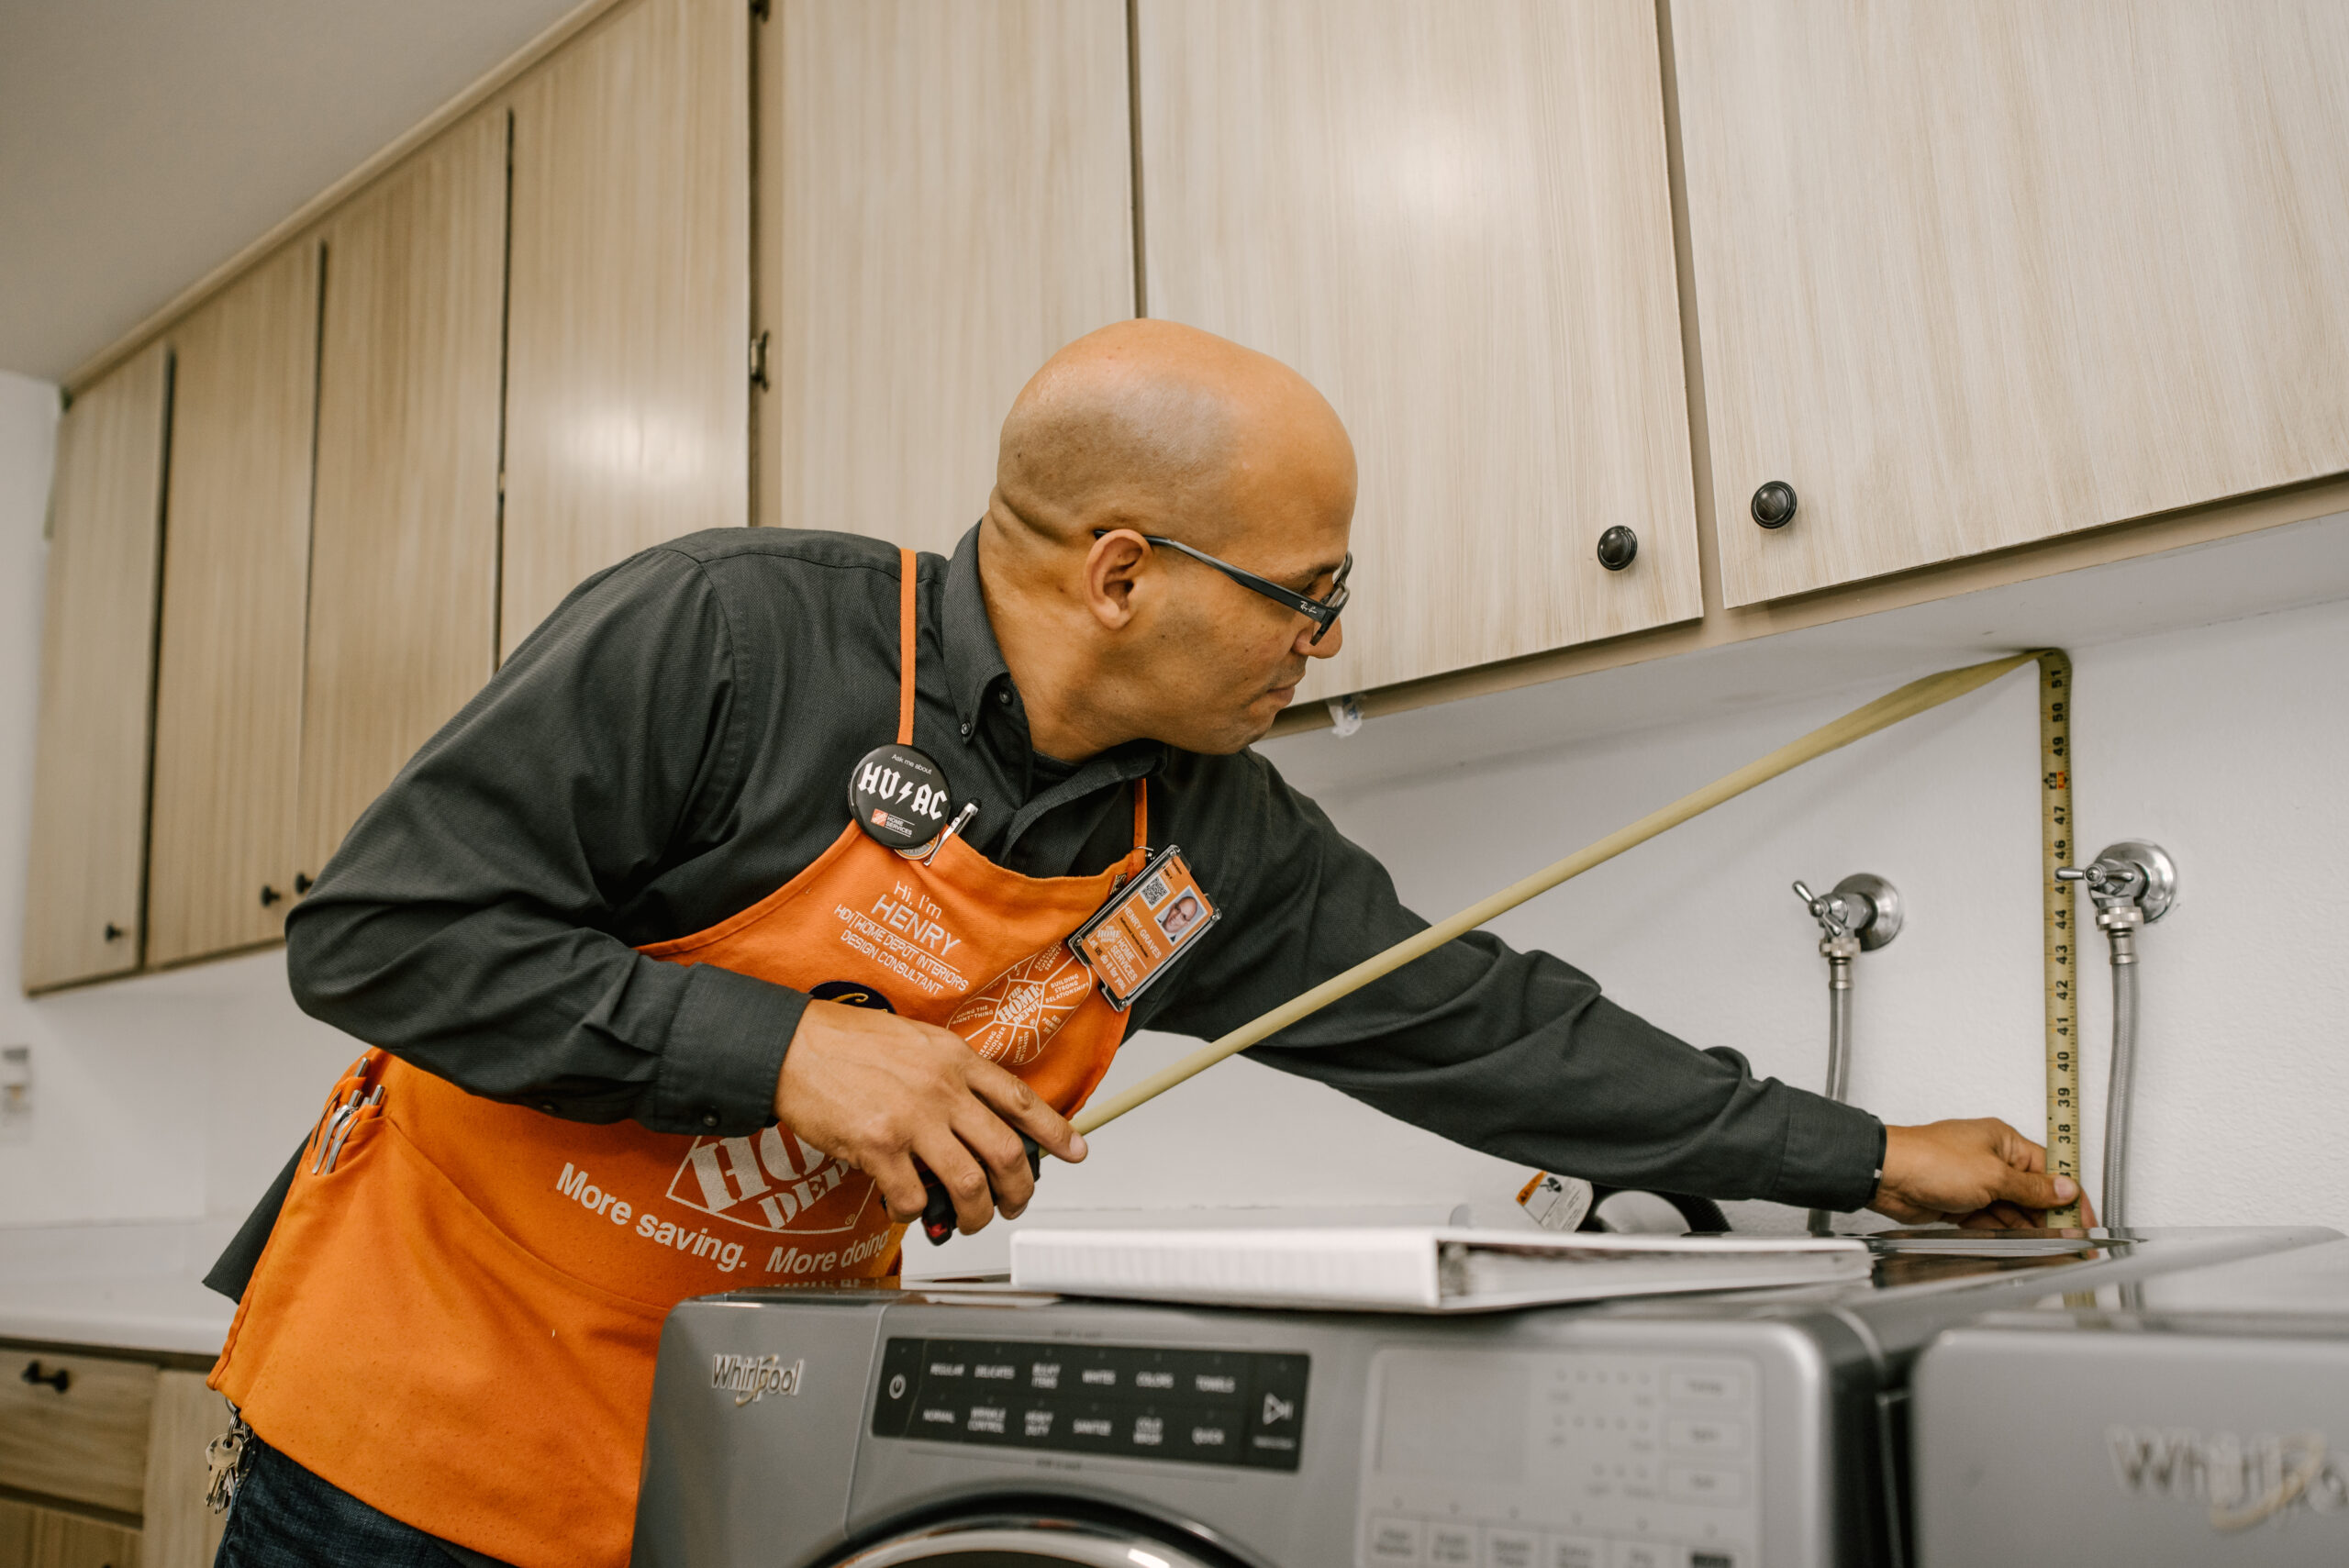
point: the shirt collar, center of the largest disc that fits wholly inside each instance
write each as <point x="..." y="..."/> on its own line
<point x="973" y="658"/>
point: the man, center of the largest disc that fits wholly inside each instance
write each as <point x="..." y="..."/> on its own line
<point x="682" y="970"/>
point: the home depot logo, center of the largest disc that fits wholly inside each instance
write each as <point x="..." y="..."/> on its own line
<point x="1022" y="1008"/>
<point x="776" y="1181"/>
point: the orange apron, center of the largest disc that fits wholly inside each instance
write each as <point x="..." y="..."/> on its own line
<point x="456" y="1323"/>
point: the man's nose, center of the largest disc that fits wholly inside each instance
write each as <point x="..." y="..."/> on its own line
<point x="1332" y="639"/>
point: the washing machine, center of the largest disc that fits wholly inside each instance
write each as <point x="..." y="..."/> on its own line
<point x="2195" y="1418"/>
<point x="980" y="1427"/>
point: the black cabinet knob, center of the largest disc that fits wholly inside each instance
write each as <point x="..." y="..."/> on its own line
<point x="302" y="882"/>
<point x="1774" y="505"/>
<point x="114" y="932"/>
<point x="269" y="896"/>
<point x="1617" y="547"/>
<point x="59" y="1380"/>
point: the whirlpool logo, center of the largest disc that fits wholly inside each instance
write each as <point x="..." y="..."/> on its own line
<point x="752" y="1378"/>
<point x="2243" y="1480"/>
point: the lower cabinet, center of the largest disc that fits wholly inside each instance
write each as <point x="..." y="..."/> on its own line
<point x="102" y="1461"/>
<point x="43" y="1538"/>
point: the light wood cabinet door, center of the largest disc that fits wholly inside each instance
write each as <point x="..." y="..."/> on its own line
<point x="86" y="1441"/>
<point x="176" y="1528"/>
<point x="1973" y="275"/>
<point x="236" y="561"/>
<point x="1460" y="229"/>
<point x="944" y="201"/>
<point x="85" y="883"/>
<point x="404" y="543"/>
<point x="43" y="1538"/>
<point x="627" y="391"/>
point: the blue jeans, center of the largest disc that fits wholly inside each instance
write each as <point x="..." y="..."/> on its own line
<point x="286" y="1517"/>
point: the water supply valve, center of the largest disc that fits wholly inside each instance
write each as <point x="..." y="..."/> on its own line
<point x="1860" y="915"/>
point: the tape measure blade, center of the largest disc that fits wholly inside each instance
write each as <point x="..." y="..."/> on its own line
<point x="2060" y="925"/>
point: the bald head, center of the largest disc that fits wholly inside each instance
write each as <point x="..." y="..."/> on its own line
<point x="1159" y="427"/>
<point x="1148" y="430"/>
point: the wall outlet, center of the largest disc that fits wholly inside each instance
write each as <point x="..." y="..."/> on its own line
<point x="16" y="1094"/>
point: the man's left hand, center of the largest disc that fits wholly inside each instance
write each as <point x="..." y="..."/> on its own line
<point x="1982" y="1175"/>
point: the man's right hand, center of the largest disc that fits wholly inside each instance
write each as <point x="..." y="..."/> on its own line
<point x="880" y="1092"/>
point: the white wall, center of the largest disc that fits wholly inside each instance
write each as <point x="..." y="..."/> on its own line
<point x="178" y="1095"/>
<point x="2227" y="744"/>
<point x="167" y="1097"/>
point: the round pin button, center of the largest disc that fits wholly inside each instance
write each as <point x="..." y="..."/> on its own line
<point x="898" y="796"/>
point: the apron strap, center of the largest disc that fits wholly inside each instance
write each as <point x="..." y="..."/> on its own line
<point x="1141" y="814"/>
<point x="905" y="633"/>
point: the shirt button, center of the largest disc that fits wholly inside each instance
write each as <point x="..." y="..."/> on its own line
<point x="966" y="732"/>
<point x="709" y="1119"/>
<point x="1003" y="695"/>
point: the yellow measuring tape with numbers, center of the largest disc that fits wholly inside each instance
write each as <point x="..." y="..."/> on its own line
<point x="2063" y="1061"/>
<point x="2060" y="906"/>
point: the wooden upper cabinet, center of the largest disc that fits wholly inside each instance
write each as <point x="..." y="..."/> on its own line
<point x="236" y="559"/>
<point x="85" y="885"/>
<point x="944" y="200"/>
<point x="1973" y="275"/>
<point x="1459" y="229"/>
<point x="628" y="392"/>
<point x="404" y="544"/>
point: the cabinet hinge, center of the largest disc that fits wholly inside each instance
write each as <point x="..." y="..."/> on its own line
<point x="759" y="361"/>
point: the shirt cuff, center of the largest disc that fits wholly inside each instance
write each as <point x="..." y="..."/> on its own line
<point x="723" y="1055"/>
<point x="1833" y="1157"/>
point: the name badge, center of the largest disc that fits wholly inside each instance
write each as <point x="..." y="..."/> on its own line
<point x="1147" y="925"/>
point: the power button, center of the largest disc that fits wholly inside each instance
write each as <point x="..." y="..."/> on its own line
<point x="900" y="1382"/>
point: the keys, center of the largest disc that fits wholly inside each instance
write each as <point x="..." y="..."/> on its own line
<point x="225" y="1459"/>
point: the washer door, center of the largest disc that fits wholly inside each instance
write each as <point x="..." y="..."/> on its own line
<point x="1031" y="1541"/>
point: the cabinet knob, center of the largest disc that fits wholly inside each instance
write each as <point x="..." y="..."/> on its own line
<point x="302" y="882"/>
<point x="59" y="1380"/>
<point x="1617" y="548"/>
<point x="114" y="932"/>
<point x="269" y="896"/>
<point x="1774" y="504"/>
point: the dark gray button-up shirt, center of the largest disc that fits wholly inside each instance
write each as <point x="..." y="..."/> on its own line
<point x="674" y="742"/>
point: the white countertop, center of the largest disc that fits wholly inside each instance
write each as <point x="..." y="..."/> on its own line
<point x="135" y="1287"/>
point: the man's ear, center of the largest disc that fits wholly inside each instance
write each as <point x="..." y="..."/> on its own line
<point x="1114" y="567"/>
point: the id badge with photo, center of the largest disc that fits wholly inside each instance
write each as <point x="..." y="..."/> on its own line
<point x="1145" y="927"/>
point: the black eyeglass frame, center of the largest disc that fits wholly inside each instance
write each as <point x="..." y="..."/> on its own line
<point x="1323" y="612"/>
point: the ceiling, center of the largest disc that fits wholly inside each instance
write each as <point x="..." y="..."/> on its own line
<point x="143" y="142"/>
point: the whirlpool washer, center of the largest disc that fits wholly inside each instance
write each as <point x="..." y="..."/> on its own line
<point x="983" y="1427"/>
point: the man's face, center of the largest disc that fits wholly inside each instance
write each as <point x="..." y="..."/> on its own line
<point x="1223" y="659"/>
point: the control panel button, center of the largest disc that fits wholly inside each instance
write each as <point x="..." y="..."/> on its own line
<point x="1644" y="1554"/>
<point x="1704" y="1385"/>
<point x="1390" y="1541"/>
<point x="1452" y="1546"/>
<point x="1687" y="1484"/>
<point x="1276" y="1410"/>
<point x="900" y="1379"/>
<point x="1700" y="1436"/>
<point x="1711" y="1557"/>
<point x="1512" y="1549"/>
<point x="1573" y="1552"/>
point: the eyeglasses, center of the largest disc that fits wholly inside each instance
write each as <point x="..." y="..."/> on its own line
<point x="1323" y="612"/>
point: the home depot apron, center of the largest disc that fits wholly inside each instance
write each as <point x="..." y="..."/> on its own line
<point x="456" y="1322"/>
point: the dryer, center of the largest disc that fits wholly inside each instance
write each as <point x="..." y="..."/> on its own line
<point x="985" y="1427"/>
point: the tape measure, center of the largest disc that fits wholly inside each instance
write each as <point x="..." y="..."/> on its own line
<point x="2060" y="908"/>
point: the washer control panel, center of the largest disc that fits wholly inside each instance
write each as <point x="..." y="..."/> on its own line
<point x="1560" y="1459"/>
<point x="1237" y="1408"/>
